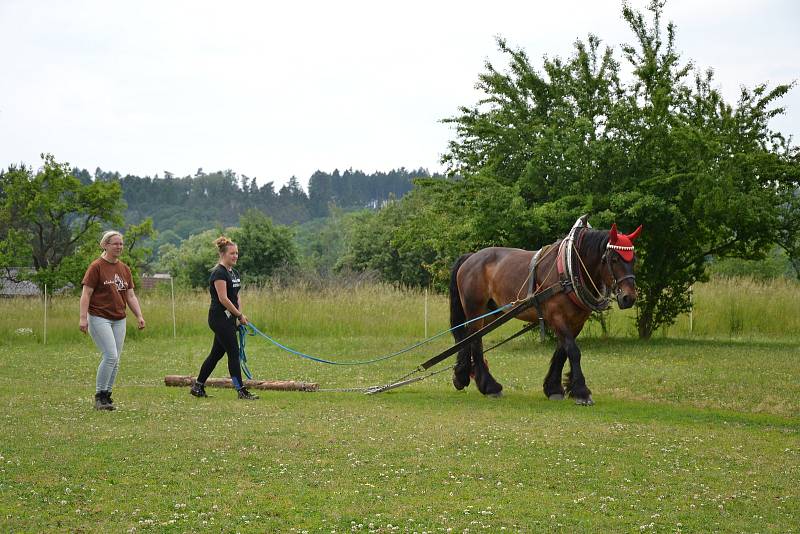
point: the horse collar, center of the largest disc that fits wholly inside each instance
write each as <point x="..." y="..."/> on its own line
<point x="573" y="283"/>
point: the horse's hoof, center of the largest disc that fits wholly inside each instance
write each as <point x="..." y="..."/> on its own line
<point x="585" y="402"/>
<point x="458" y="385"/>
<point x="495" y="395"/>
<point x="556" y="396"/>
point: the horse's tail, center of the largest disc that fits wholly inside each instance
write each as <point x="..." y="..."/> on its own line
<point x="457" y="315"/>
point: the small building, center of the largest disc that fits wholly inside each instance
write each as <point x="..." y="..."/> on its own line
<point x="10" y="289"/>
<point x="151" y="281"/>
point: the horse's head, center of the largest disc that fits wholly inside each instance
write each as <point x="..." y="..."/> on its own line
<point x="620" y="257"/>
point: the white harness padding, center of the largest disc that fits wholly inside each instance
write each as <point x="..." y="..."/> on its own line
<point x="568" y="245"/>
<point x="594" y="303"/>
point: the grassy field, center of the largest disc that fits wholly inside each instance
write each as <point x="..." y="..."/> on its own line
<point x="697" y="433"/>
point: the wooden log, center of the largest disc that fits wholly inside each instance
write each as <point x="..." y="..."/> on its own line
<point x="279" y="385"/>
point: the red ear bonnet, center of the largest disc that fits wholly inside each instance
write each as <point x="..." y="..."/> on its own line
<point x="612" y="234"/>
<point x="621" y="243"/>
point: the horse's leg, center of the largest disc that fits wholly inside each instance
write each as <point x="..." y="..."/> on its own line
<point x="575" y="382"/>
<point x="552" y="382"/>
<point x="463" y="368"/>
<point x="483" y="378"/>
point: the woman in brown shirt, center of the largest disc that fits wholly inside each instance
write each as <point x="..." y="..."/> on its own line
<point x="107" y="289"/>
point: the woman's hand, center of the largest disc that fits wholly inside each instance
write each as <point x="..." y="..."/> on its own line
<point x="83" y="325"/>
<point x="140" y="321"/>
<point x="243" y="319"/>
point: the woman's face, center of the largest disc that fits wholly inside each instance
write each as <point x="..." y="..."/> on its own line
<point x="113" y="246"/>
<point x="230" y="256"/>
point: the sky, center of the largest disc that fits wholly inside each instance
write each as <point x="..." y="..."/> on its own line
<point x="278" y="89"/>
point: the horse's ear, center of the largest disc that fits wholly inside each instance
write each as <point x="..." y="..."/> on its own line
<point x="635" y="233"/>
<point x="612" y="234"/>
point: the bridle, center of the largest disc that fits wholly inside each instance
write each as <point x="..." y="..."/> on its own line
<point x="576" y="289"/>
<point x="615" y="286"/>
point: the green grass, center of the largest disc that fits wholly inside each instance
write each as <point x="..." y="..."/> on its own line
<point x="688" y="435"/>
<point x="724" y="309"/>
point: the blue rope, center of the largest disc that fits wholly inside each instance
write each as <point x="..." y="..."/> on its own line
<point x="255" y="331"/>
<point x="242" y="356"/>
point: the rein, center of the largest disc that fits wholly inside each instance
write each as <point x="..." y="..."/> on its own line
<point x="569" y="282"/>
<point x="251" y="330"/>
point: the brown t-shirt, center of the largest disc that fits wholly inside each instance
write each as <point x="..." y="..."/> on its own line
<point x="109" y="281"/>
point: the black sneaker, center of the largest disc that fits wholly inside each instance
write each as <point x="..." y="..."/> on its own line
<point x="109" y="401"/>
<point x="198" y="389"/>
<point x="246" y="395"/>
<point x="100" y="401"/>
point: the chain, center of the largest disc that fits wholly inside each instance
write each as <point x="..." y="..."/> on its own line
<point x="378" y="389"/>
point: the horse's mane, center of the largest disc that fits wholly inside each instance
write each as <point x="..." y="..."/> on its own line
<point x="595" y="240"/>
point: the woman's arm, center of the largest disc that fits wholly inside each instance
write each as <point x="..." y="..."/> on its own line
<point x="86" y="295"/>
<point x="133" y="304"/>
<point x="222" y="295"/>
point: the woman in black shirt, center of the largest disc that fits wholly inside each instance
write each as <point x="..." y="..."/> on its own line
<point x="223" y="313"/>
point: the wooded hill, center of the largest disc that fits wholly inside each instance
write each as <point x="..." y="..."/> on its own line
<point x="184" y="206"/>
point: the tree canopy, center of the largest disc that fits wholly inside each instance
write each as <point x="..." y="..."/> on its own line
<point x="49" y="219"/>
<point x="263" y="248"/>
<point x="662" y="149"/>
<point x="184" y="206"/>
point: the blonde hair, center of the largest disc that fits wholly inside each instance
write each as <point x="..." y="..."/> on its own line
<point x="222" y="243"/>
<point x="107" y="237"/>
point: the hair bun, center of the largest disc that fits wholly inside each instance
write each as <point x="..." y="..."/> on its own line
<point x="222" y="242"/>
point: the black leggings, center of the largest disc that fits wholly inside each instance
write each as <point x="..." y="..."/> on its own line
<point x="225" y="341"/>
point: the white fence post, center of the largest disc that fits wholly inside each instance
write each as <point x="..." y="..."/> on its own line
<point x="45" y="315"/>
<point x="426" y="313"/>
<point x="172" y="293"/>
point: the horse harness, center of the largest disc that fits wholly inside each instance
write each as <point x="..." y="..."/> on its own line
<point x="570" y="282"/>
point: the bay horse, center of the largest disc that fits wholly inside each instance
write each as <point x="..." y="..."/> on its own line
<point x="568" y="280"/>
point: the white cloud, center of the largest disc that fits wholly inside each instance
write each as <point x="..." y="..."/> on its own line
<point x="279" y="89"/>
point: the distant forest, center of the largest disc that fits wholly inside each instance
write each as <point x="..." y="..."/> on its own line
<point x="184" y="206"/>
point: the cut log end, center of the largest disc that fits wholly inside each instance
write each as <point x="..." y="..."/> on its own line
<point x="278" y="385"/>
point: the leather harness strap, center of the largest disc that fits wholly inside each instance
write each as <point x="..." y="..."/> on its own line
<point x="532" y="287"/>
<point x="540" y="296"/>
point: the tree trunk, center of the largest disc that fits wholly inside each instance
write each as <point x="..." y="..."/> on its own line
<point x="645" y="322"/>
<point x="795" y="261"/>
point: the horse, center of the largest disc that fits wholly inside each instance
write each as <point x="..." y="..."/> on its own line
<point x="566" y="281"/>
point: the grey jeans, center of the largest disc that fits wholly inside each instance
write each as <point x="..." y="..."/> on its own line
<point x="109" y="336"/>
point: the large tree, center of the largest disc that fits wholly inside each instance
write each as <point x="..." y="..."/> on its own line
<point x="49" y="215"/>
<point x="663" y="149"/>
